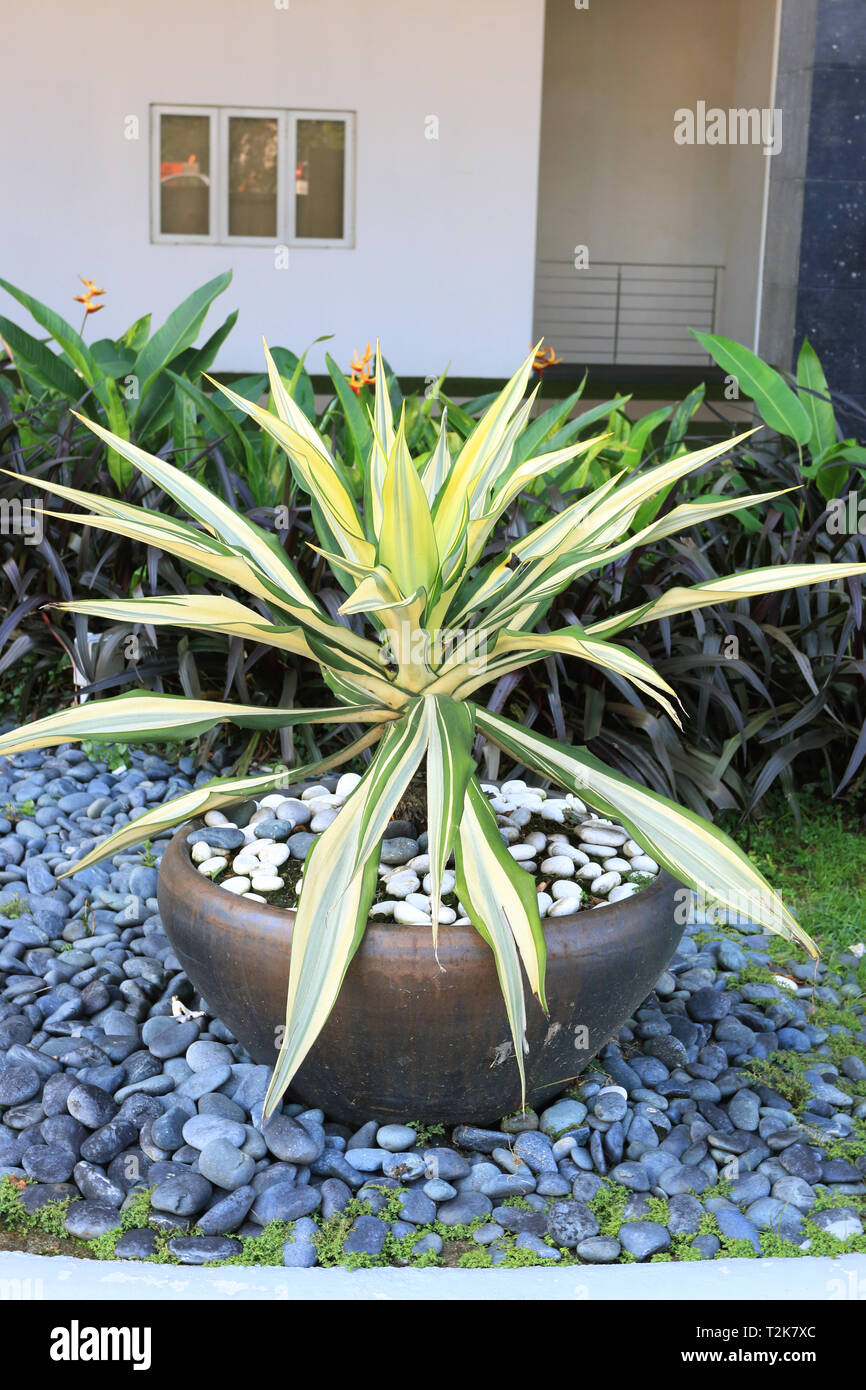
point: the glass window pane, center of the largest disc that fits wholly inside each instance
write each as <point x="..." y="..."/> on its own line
<point x="184" y="175"/>
<point x="319" y="179"/>
<point x="253" y="142"/>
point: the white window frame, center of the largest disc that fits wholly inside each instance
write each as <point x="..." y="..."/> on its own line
<point x="348" y="237"/>
<point x="257" y="113"/>
<point x="177" y="238"/>
<point x="218" y="203"/>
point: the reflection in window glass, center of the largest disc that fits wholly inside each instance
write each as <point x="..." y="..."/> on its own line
<point x="253" y="144"/>
<point x="320" y="178"/>
<point x="184" y="175"/>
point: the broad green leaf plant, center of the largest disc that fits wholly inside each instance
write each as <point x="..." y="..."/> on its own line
<point x="441" y="621"/>
<point x="804" y="414"/>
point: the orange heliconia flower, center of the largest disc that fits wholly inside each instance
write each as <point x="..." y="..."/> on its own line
<point x="360" y="370"/>
<point x="544" y="358"/>
<point x="87" y="299"/>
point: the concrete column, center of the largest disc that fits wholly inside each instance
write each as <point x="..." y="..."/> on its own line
<point x="787" y="182"/>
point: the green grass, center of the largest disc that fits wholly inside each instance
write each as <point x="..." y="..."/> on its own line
<point x="820" y="873"/>
<point x="14" y="907"/>
<point x="116" y="755"/>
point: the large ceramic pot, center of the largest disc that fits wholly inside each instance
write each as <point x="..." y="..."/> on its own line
<point x="408" y="1040"/>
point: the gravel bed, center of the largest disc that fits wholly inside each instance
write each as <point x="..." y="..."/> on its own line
<point x="727" y="1117"/>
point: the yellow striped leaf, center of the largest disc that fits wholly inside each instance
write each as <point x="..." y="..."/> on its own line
<point x="768" y="580"/>
<point x="569" y="642"/>
<point x="133" y="718"/>
<point x="691" y="849"/>
<point x="222" y="791"/>
<point x="221" y="520"/>
<point x="313" y="465"/>
<point x="407" y="543"/>
<point x="449" y="768"/>
<point x="475" y="454"/>
<point x="331" y="917"/>
<point x="501" y="902"/>
<point x="207" y="612"/>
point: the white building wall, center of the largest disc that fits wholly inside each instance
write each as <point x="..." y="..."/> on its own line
<point x="748" y="172"/>
<point x="442" y="268"/>
<point x="613" y="178"/>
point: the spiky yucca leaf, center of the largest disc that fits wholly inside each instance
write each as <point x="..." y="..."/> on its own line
<point x="222" y="791"/>
<point x="449" y="768"/>
<point x="697" y="853"/>
<point x="134" y="718"/>
<point x="339" y="883"/>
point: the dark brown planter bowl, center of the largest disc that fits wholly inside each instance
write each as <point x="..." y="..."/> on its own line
<point x="407" y="1040"/>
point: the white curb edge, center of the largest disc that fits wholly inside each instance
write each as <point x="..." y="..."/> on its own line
<point x="825" y="1279"/>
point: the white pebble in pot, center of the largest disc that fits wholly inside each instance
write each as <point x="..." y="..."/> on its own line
<point x="274" y="854"/>
<point x="588" y="872"/>
<point x="520" y="852"/>
<point x="545" y="903"/>
<point x="200" y="852"/>
<point x="602" y="885"/>
<point x="402" y="883"/>
<point x="559" y="864"/>
<point x="564" y="846"/>
<point x="245" y="863"/>
<point x="409" y="916"/>
<point x="537" y="839"/>
<point x="236" y="885"/>
<point x="266" y="883"/>
<point x="564" y="907"/>
<point x="322" y="819"/>
<point x="446" y="916"/>
<point x="272" y="800"/>
<point x="449" y="879"/>
<point x="599" y="852"/>
<point x="625" y="890"/>
<point x="383" y="909"/>
<point x="316" y="790"/>
<point x="213" y="866"/>
<point x="347" y="783"/>
<point x="596" y="834"/>
<point x="215" y="818"/>
<point x="563" y="888"/>
<point x="644" y="865"/>
<point x="617" y="865"/>
<point x="294" y="810"/>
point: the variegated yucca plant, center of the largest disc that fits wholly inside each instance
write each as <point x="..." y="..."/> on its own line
<point x="443" y="620"/>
